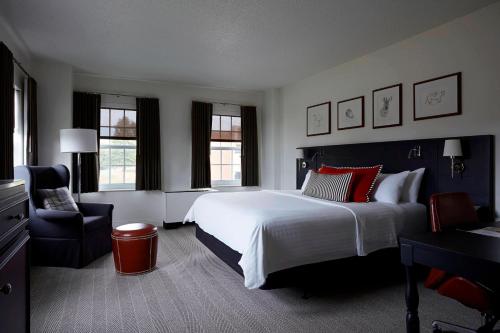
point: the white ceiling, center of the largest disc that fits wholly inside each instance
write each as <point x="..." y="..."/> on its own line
<point x="242" y="44"/>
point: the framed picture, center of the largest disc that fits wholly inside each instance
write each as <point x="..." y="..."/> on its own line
<point x="439" y="97"/>
<point x="318" y="119"/>
<point x="387" y="106"/>
<point x="351" y="113"/>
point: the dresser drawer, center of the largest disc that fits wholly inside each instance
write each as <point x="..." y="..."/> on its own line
<point x="14" y="287"/>
<point x="12" y="216"/>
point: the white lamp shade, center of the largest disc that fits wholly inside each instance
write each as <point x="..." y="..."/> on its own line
<point x="452" y="148"/>
<point x="78" y="140"/>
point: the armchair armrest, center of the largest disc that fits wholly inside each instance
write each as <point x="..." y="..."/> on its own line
<point x="59" y="215"/>
<point x="95" y="209"/>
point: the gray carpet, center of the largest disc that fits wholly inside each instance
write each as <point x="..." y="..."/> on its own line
<point x="193" y="291"/>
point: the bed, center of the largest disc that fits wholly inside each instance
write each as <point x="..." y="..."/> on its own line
<point x="277" y="230"/>
<point x="262" y="234"/>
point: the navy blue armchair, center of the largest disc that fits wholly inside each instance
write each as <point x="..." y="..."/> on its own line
<point x="63" y="238"/>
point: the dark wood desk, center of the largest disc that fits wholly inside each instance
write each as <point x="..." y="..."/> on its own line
<point x="462" y="253"/>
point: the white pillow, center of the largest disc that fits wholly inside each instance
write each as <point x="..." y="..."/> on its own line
<point x="412" y="185"/>
<point x="306" y="180"/>
<point x="388" y="187"/>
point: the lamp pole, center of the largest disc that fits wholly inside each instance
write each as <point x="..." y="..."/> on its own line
<point x="79" y="158"/>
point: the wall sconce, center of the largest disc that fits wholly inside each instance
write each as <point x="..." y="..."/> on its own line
<point x="300" y="156"/>
<point x="305" y="164"/>
<point x="415" y="152"/>
<point x="453" y="149"/>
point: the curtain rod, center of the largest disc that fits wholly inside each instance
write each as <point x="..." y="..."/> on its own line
<point x="222" y="103"/>
<point x="116" y="94"/>
<point x="125" y="95"/>
<point x="20" y="67"/>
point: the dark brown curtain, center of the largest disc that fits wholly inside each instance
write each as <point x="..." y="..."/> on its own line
<point x="31" y="111"/>
<point x="6" y="113"/>
<point x="148" y="174"/>
<point x="86" y="114"/>
<point x="249" y="147"/>
<point x="201" y="131"/>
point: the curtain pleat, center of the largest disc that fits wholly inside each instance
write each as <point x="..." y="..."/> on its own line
<point x="32" y="133"/>
<point x="201" y="130"/>
<point x="86" y="114"/>
<point x="148" y="171"/>
<point x="6" y="113"/>
<point x="249" y="147"/>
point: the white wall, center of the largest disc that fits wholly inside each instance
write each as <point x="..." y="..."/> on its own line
<point x="55" y="105"/>
<point x="272" y="132"/>
<point x="469" y="44"/>
<point x="175" y="119"/>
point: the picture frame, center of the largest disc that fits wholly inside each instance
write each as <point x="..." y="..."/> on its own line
<point x="438" y="97"/>
<point x="318" y="119"/>
<point x="387" y="106"/>
<point x="351" y="113"/>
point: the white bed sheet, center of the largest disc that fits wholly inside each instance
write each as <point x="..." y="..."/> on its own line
<point x="275" y="230"/>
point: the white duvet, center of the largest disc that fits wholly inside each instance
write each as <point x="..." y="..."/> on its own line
<point x="275" y="230"/>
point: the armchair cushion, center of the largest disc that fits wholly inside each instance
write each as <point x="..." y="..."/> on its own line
<point x="57" y="199"/>
<point x="91" y="223"/>
<point x="59" y="215"/>
<point x="56" y="224"/>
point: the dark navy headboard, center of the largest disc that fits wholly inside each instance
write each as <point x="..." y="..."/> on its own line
<point x="477" y="179"/>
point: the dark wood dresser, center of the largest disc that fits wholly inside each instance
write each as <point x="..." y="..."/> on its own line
<point x="14" y="258"/>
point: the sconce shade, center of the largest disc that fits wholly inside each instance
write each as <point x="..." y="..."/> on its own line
<point x="300" y="153"/>
<point x="78" y="140"/>
<point x="452" y="148"/>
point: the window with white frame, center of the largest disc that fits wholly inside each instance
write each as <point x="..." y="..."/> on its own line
<point x="225" y="151"/>
<point x="19" y="128"/>
<point x="117" y="149"/>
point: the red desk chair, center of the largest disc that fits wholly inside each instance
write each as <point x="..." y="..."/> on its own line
<point x="449" y="210"/>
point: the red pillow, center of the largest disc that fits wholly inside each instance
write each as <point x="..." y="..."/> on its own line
<point x="363" y="180"/>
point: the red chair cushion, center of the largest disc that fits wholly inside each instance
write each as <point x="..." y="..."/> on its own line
<point x="363" y="180"/>
<point x="435" y="278"/>
<point x="468" y="293"/>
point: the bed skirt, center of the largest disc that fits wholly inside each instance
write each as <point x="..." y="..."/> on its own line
<point x="385" y="263"/>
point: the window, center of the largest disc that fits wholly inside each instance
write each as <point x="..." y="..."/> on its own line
<point x="117" y="149"/>
<point x="19" y="124"/>
<point x="225" y="151"/>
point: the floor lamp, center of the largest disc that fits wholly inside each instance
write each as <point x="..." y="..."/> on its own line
<point x="78" y="140"/>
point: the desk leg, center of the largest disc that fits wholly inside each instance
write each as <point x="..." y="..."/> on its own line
<point x="412" y="320"/>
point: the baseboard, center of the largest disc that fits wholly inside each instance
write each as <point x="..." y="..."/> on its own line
<point x="174" y="225"/>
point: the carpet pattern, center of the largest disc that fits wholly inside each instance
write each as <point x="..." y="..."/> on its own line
<point x="193" y="291"/>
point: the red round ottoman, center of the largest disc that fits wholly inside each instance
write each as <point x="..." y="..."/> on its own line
<point x="134" y="248"/>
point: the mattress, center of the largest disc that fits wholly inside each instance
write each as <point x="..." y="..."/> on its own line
<point x="275" y="230"/>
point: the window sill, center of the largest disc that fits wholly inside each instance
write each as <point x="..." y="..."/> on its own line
<point x="117" y="190"/>
<point x="235" y="188"/>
